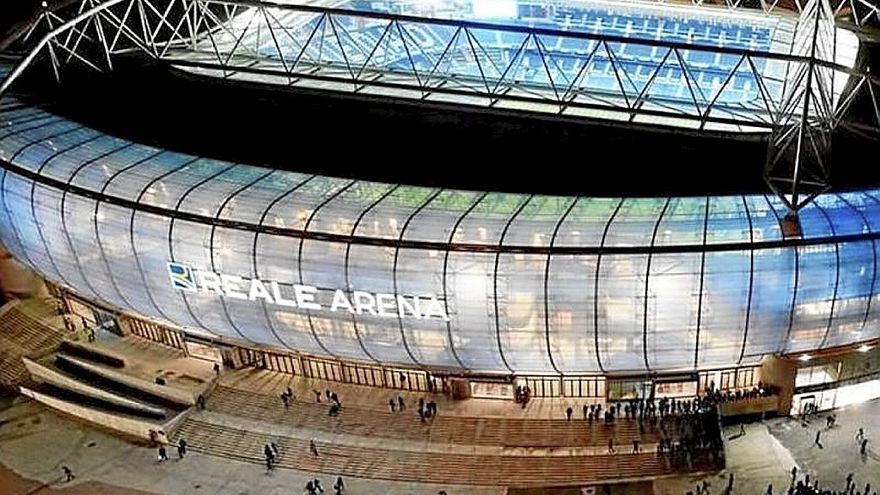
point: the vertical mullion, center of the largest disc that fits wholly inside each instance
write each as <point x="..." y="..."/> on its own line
<point x="596" y="284"/>
<point x="647" y="283"/>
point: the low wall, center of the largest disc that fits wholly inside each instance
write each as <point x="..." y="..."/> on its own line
<point x="130" y="427"/>
<point x="744" y="407"/>
<point x="46" y="374"/>
<point x="166" y="392"/>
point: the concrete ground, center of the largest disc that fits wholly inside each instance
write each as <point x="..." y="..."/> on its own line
<point x="35" y="443"/>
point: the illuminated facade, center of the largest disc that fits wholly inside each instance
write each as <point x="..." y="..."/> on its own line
<point x="441" y="279"/>
<point x="522" y="283"/>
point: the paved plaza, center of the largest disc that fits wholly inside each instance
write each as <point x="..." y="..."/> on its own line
<point x="36" y="442"/>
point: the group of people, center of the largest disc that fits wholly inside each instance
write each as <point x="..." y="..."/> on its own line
<point x="181" y="450"/>
<point x="426" y="410"/>
<point x="808" y="486"/>
<point x="522" y="395"/>
<point x="761" y="390"/>
<point x="332" y="399"/>
<point x="314" y="487"/>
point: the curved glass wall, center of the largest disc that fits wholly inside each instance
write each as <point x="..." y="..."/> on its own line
<point x="483" y="282"/>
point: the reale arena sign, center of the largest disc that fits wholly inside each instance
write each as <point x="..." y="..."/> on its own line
<point x="186" y="278"/>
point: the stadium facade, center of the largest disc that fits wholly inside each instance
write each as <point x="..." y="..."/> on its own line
<point x="444" y="280"/>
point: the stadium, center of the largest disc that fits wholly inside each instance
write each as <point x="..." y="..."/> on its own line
<point x="393" y="283"/>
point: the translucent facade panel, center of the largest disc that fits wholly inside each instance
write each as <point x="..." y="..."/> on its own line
<point x="621" y="311"/>
<point x="420" y="273"/>
<point x="62" y="166"/>
<point x="323" y="266"/>
<point x="168" y="184"/>
<point x="765" y="224"/>
<point x="151" y="248"/>
<point x="19" y="127"/>
<point x="95" y="174"/>
<point x="773" y="289"/>
<point x="387" y="219"/>
<point x="673" y="308"/>
<point x="872" y="324"/>
<point x="683" y="223"/>
<point x="436" y="221"/>
<point x="12" y="145"/>
<point x="277" y="260"/>
<point x="814" y="299"/>
<point x="133" y="181"/>
<point x="845" y="219"/>
<point x="635" y="222"/>
<point x="233" y="255"/>
<point x="191" y="244"/>
<point x="24" y="231"/>
<point x="114" y="237"/>
<point x="34" y="155"/>
<point x="854" y="290"/>
<point x="250" y="204"/>
<point x="486" y="222"/>
<point x="207" y="198"/>
<point x="339" y="215"/>
<point x="7" y="235"/>
<point x="728" y="220"/>
<point x="12" y="119"/>
<point x="470" y="292"/>
<point x="725" y="307"/>
<point x="868" y="204"/>
<point x="370" y="270"/>
<point x="571" y="309"/>
<point x="520" y="289"/>
<point x="585" y="223"/>
<point x="295" y="210"/>
<point x="47" y="209"/>
<point x="814" y="222"/>
<point x="537" y="221"/>
<point x="79" y="216"/>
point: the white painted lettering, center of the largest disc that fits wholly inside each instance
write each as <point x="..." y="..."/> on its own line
<point x="258" y="290"/>
<point x="385" y="304"/>
<point x="435" y="309"/>
<point x="279" y="298"/>
<point x="210" y="281"/>
<point x="364" y="301"/>
<point x="305" y="296"/>
<point x="230" y="286"/>
<point x="340" y="300"/>
<point x="404" y="306"/>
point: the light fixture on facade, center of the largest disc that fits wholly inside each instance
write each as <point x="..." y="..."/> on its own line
<point x="805" y="357"/>
<point x="865" y="348"/>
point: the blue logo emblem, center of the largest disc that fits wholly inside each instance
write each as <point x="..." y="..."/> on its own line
<point x="182" y="276"/>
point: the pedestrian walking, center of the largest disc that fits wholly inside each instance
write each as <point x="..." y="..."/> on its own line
<point x="318" y="486"/>
<point x="769" y="489"/>
<point x="68" y="474"/>
<point x="163" y="455"/>
<point x="742" y="429"/>
<point x="860" y="435"/>
<point x="586" y="411"/>
<point x="730" y="483"/>
<point x="636" y="448"/>
<point x="392" y="404"/>
<point x="181" y="448"/>
<point x="339" y="486"/>
<point x="864" y="448"/>
<point x="286" y="400"/>
<point x="317" y="395"/>
<point x="400" y="403"/>
<point x="818" y="439"/>
<point x="313" y="447"/>
<point x="611" y="445"/>
<point x="217" y="369"/>
<point x="568" y="413"/>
